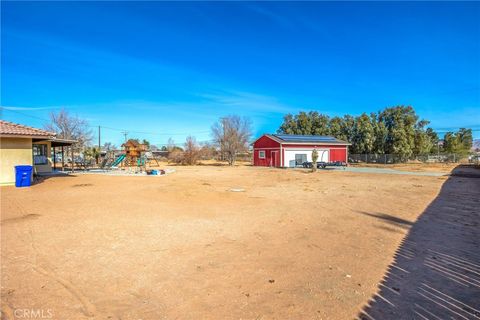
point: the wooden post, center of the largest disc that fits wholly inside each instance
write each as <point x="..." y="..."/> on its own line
<point x="63" y="160"/>
<point x="73" y="161"/>
<point x="54" y="160"/>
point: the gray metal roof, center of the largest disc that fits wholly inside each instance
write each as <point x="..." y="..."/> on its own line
<point x="294" y="138"/>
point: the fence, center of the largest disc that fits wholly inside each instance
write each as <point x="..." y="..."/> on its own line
<point x="394" y="158"/>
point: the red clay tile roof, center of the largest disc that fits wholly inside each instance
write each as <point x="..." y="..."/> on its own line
<point x="14" y="129"/>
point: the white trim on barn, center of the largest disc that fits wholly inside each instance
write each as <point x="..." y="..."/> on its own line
<point x="291" y="155"/>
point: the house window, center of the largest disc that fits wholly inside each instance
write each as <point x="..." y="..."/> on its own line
<point x="40" y="154"/>
<point x="261" y="154"/>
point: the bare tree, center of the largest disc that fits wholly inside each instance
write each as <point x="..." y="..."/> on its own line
<point x="192" y="151"/>
<point x="176" y="156"/>
<point x="108" y="146"/>
<point x="231" y="135"/>
<point x="207" y="151"/>
<point x="170" y="145"/>
<point x="70" y="127"/>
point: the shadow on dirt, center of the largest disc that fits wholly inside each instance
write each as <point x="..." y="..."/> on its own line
<point x="398" y="222"/>
<point x="436" y="272"/>
<point x="40" y="178"/>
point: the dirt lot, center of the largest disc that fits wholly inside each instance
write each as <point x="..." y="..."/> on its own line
<point x="292" y="245"/>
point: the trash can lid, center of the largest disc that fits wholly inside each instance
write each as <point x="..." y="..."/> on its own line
<point x="24" y="167"/>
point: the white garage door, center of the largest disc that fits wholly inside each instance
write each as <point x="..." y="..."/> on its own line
<point x="295" y="157"/>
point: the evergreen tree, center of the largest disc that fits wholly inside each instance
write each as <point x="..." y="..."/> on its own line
<point x="450" y="143"/>
<point x="380" y="133"/>
<point x="433" y="136"/>
<point x="395" y="130"/>
<point x="363" y="135"/>
<point x="423" y="144"/>
<point x="465" y="139"/>
<point x="400" y="125"/>
<point x="335" y="129"/>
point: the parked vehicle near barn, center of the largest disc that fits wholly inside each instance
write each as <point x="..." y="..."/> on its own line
<point x="323" y="165"/>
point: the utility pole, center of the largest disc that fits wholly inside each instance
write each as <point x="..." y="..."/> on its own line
<point x="125" y="135"/>
<point x="99" y="143"/>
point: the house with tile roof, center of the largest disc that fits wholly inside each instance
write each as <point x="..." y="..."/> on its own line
<point x="24" y="145"/>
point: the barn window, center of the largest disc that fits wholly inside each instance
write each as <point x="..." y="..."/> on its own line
<point x="261" y="154"/>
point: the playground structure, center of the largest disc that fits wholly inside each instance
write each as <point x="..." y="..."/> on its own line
<point x="133" y="156"/>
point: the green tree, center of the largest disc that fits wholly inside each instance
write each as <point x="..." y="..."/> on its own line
<point x="465" y="139"/>
<point x="320" y="124"/>
<point x="400" y="125"/>
<point x="459" y="142"/>
<point x="422" y="142"/>
<point x="336" y="128"/>
<point x="289" y="125"/>
<point x="347" y="127"/>
<point x="146" y="143"/>
<point x="380" y="134"/>
<point x="311" y="123"/>
<point x="450" y="143"/>
<point x="433" y="136"/>
<point x="363" y="135"/>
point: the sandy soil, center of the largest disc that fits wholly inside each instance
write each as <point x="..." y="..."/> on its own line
<point x="292" y="245"/>
<point x="436" y="270"/>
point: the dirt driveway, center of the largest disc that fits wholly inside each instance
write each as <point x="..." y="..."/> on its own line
<point x="292" y="245"/>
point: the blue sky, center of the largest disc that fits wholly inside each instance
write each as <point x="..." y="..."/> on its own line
<point x="173" y="68"/>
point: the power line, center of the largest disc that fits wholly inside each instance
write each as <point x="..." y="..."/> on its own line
<point x="115" y="129"/>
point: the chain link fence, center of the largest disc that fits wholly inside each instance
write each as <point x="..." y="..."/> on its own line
<point x="394" y="158"/>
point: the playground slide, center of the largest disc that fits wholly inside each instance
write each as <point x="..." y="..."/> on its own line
<point x="118" y="160"/>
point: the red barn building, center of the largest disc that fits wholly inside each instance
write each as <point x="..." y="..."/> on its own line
<point x="288" y="150"/>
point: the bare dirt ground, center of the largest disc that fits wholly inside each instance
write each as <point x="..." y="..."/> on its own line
<point x="292" y="245"/>
<point x="436" y="271"/>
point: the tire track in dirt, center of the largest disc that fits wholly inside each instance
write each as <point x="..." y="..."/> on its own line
<point x="88" y="308"/>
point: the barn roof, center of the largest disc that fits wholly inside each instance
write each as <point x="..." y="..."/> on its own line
<point x="14" y="130"/>
<point x="305" y="139"/>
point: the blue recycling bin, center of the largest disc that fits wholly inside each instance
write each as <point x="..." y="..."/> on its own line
<point x="23" y="176"/>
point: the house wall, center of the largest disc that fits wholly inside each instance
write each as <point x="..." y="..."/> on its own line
<point x="13" y="152"/>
